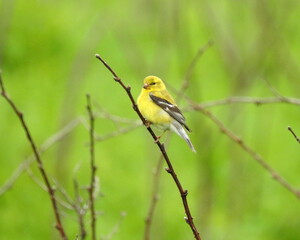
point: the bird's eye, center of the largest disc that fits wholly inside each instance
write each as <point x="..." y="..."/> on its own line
<point x="153" y="83"/>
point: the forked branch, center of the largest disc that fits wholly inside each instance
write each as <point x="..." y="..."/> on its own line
<point x="45" y="177"/>
<point x="170" y="169"/>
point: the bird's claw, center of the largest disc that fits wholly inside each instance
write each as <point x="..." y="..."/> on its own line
<point x="147" y="124"/>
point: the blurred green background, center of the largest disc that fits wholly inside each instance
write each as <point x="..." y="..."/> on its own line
<point x="47" y="50"/>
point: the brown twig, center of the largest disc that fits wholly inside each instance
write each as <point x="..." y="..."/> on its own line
<point x="294" y="134"/>
<point x="170" y="169"/>
<point x="93" y="167"/>
<point x="154" y="195"/>
<point x="45" y="146"/>
<point x="61" y="134"/>
<point x="258" y="158"/>
<point x="50" y="189"/>
<point x="80" y="210"/>
<point x="65" y="201"/>
<point x="156" y="174"/>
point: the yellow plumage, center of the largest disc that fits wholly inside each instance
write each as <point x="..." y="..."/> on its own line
<point x="159" y="108"/>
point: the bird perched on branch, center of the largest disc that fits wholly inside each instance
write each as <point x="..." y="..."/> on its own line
<point x="159" y="108"/>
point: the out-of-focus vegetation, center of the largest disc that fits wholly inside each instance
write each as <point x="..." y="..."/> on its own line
<point x="47" y="60"/>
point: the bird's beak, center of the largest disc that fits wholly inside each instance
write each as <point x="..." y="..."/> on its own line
<point x="146" y="86"/>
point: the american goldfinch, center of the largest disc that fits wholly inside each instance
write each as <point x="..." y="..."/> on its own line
<point x="159" y="108"/>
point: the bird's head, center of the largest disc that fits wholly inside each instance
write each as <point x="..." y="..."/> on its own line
<point x="152" y="83"/>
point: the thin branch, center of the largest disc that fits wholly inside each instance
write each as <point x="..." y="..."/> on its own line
<point x="116" y="227"/>
<point x="294" y="134"/>
<point x="251" y="100"/>
<point x="275" y="92"/>
<point x="80" y="210"/>
<point x="132" y="124"/>
<point x="61" y="134"/>
<point x="156" y="174"/>
<point x="50" y="189"/>
<point x="93" y="167"/>
<point x="37" y="181"/>
<point x="154" y="195"/>
<point x="170" y="169"/>
<point x="155" y="192"/>
<point x="114" y="118"/>
<point x="121" y="131"/>
<point x="258" y="158"/>
<point x="45" y="146"/>
<point x="67" y="203"/>
<point x="191" y="67"/>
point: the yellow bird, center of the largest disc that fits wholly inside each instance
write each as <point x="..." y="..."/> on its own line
<point x="159" y="108"/>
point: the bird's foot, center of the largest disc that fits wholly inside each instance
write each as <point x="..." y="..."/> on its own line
<point x="159" y="137"/>
<point x="147" y="123"/>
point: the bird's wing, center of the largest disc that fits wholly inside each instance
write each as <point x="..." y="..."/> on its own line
<point x="170" y="108"/>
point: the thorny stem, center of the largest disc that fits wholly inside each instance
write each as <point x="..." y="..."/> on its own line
<point x="93" y="167"/>
<point x="50" y="189"/>
<point x="170" y="169"/>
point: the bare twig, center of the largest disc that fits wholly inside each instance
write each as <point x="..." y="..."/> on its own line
<point x="66" y="203"/>
<point x="251" y="100"/>
<point x="156" y="174"/>
<point x="255" y="100"/>
<point x="114" y="118"/>
<point x="130" y="124"/>
<point x="37" y="180"/>
<point x="121" y="131"/>
<point x="294" y="134"/>
<point x="50" y="189"/>
<point x="154" y="195"/>
<point x="258" y="158"/>
<point x="170" y="169"/>
<point x="275" y="92"/>
<point x="45" y="146"/>
<point x="93" y="167"/>
<point x="116" y="228"/>
<point x="191" y="67"/>
<point x="80" y="210"/>
<point x="61" y="134"/>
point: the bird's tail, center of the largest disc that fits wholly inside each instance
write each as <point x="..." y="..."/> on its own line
<point x="178" y="129"/>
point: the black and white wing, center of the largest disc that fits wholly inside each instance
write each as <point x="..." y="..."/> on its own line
<point x="171" y="109"/>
